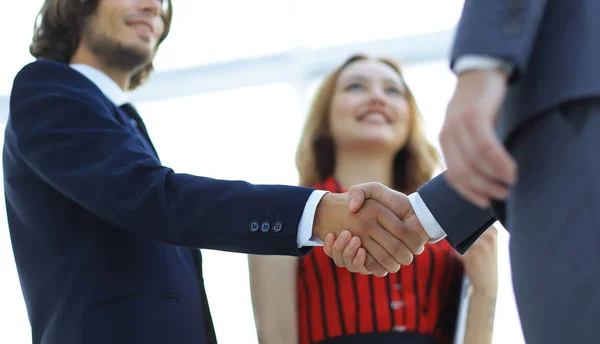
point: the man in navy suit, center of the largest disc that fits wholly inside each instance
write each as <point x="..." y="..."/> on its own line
<point x="105" y="237"/>
<point x="527" y="96"/>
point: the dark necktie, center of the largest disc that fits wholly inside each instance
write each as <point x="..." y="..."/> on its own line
<point x="133" y="114"/>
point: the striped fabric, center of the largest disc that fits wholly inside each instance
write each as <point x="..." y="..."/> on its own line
<point x="421" y="298"/>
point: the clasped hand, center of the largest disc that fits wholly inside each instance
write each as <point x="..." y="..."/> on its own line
<point x="376" y="228"/>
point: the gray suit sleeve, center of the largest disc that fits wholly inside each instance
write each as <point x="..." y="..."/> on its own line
<point x="462" y="221"/>
<point x="503" y="29"/>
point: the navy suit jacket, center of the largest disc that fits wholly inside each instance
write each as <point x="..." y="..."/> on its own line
<point x="103" y="233"/>
<point x="553" y="46"/>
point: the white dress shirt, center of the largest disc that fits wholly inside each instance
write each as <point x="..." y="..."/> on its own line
<point x="119" y="97"/>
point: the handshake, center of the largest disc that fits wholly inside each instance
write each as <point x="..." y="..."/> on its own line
<point x="371" y="229"/>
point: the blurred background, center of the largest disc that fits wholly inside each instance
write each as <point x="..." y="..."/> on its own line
<point x="228" y="99"/>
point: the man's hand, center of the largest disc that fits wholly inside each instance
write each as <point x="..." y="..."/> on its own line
<point x="410" y="233"/>
<point x="479" y="168"/>
<point x="380" y="230"/>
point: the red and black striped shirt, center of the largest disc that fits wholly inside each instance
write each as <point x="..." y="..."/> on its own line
<point x="420" y="298"/>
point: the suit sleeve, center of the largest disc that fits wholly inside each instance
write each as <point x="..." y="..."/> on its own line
<point x="462" y="221"/>
<point x="70" y="138"/>
<point x="502" y="29"/>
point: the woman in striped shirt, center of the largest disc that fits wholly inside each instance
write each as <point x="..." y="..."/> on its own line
<point x="364" y="125"/>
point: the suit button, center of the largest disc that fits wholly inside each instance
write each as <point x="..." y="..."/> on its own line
<point x="397" y="304"/>
<point x="254" y="226"/>
<point x="277" y="226"/>
<point x="265" y="226"/>
<point x="398" y="286"/>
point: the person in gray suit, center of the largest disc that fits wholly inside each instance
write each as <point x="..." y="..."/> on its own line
<point x="526" y="105"/>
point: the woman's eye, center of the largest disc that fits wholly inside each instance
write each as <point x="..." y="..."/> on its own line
<point x="394" y="90"/>
<point x="352" y="87"/>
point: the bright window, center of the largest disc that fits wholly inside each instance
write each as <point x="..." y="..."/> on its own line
<point x="335" y="22"/>
<point x="215" y="31"/>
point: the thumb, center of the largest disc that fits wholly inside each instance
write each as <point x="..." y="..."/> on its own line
<point x="396" y="201"/>
<point x="357" y="197"/>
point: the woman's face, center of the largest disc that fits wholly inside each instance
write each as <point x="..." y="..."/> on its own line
<point x="369" y="106"/>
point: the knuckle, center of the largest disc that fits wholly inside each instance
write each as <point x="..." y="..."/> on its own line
<point x="371" y="264"/>
<point x="384" y="259"/>
<point x="485" y="148"/>
<point x="387" y="262"/>
<point x="471" y="164"/>
<point x="350" y="261"/>
<point x="338" y="246"/>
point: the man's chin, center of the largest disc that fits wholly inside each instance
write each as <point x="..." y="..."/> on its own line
<point x="134" y="56"/>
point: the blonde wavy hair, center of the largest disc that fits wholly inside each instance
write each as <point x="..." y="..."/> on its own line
<point x="414" y="164"/>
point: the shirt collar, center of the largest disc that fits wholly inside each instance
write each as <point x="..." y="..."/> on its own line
<point x="107" y="85"/>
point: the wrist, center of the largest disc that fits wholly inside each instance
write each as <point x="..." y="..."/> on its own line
<point x="326" y="215"/>
<point x="483" y="78"/>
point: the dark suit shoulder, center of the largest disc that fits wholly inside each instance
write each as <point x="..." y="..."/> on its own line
<point x="43" y="78"/>
<point x="43" y="83"/>
<point x="48" y="94"/>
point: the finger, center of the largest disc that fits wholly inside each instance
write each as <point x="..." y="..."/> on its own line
<point x="483" y="189"/>
<point x="328" y="245"/>
<point x="373" y="267"/>
<point x="338" y="247"/>
<point x="495" y="158"/>
<point x="349" y="253"/>
<point x="395" y="228"/>
<point x="395" y="247"/>
<point x="487" y="155"/>
<point x="485" y="184"/>
<point x="461" y="186"/>
<point x="360" y="261"/>
<point x="381" y="257"/>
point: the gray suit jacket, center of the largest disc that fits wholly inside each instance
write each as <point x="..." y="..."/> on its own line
<point x="554" y="46"/>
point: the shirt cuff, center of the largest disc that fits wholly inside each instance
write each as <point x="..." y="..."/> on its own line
<point x="305" y="237"/>
<point x="472" y="62"/>
<point x="429" y="223"/>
